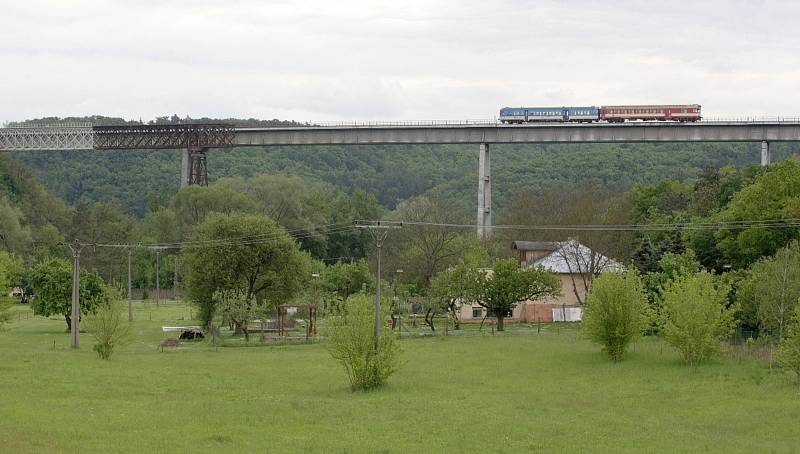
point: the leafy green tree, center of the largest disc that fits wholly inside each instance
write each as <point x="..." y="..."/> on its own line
<point x="14" y="236"/>
<point x="248" y="253"/>
<point x="235" y="307"/>
<point x="774" y="194"/>
<point x="348" y="278"/>
<point x="193" y="204"/>
<point x="788" y="352"/>
<point x="694" y="316"/>
<point x="51" y="281"/>
<point x="350" y="339"/>
<point x="453" y="286"/>
<point x="771" y="290"/>
<point x="645" y="257"/>
<point x="109" y="325"/>
<point x="10" y="271"/>
<point x="103" y="223"/>
<point x="616" y="312"/>
<point x="508" y="284"/>
<point x="670" y="267"/>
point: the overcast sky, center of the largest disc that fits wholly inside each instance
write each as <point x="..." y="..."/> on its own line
<point x="393" y="60"/>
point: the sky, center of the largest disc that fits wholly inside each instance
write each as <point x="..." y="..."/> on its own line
<point x="359" y="60"/>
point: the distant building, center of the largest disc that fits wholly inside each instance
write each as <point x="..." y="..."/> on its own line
<point x="574" y="263"/>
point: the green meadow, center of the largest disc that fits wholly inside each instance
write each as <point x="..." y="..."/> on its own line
<point x="526" y="390"/>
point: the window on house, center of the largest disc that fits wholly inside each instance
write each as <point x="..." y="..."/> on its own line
<point x="477" y="312"/>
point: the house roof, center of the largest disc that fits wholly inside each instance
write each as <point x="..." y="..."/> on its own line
<point x="570" y="257"/>
<point x="534" y="245"/>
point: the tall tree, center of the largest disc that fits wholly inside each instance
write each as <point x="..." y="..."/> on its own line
<point x="248" y="254"/>
<point x="771" y="290"/>
<point x="51" y="281"/>
<point x="421" y="248"/>
<point x="774" y="195"/>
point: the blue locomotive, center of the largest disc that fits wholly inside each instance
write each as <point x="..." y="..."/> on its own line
<point x="558" y="114"/>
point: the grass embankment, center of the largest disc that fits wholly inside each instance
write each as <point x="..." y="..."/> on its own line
<point x="516" y="392"/>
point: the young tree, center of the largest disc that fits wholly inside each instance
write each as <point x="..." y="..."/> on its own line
<point x="508" y="284"/>
<point x="788" y="353"/>
<point x="771" y="289"/>
<point x="51" y="282"/>
<point x="234" y="306"/>
<point x="694" y="316"/>
<point x="242" y="252"/>
<point x="616" y="312"/>
<point x="350" y="338"/>
<point x="109" y="325"/>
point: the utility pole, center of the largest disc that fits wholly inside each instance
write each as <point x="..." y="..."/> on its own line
<point x="75" y="315"/>
<point x="175" y="278"/>
<point x="130" y="297"/>
<point x="379" y="233"/>
<point x="158" y="272"/>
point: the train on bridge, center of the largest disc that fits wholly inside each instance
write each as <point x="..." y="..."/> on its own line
<point x="612" y="114"/>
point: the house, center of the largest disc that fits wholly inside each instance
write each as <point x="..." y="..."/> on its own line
<point x="574" y="263"/>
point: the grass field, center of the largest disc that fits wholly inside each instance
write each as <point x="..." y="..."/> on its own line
<point x="516" y="392"/>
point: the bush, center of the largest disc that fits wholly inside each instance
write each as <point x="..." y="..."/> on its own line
<point x="616" y="312"/>
<point x="5" y="311"/>
<point x="109" y="326"/>
<point x="788" y="353"/>
<point x="694" y="316"/>
<point x="351" y="341"/>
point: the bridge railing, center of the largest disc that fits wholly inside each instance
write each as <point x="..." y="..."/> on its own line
<point x="414" y="123"/>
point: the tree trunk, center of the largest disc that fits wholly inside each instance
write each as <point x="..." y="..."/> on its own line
<point x="429" y="319"/>
<point x="69" y="322"/>
<point x="499" y="321"/>
<point x="456" y="325"/>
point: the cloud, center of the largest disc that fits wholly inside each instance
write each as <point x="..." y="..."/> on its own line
<point x="390" y="60"/>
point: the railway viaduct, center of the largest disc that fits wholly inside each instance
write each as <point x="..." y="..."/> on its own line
<point x="196" y="139"/>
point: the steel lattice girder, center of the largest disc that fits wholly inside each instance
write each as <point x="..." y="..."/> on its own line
<point x="47" y="138"/>
<point x="188" y="136"/>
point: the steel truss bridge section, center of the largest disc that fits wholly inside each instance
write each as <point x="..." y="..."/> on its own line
<point x="47" y="137"/>
<point x="191" y="137"/>
<point x="186" y="136"/>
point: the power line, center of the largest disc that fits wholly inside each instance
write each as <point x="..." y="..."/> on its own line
<point x="234" y="241"/>
<point x="346" y="227"/>
<point x="733" y="225"/>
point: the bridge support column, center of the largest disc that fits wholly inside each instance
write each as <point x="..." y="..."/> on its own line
<point x="484" y="193"/>
<point x="766" y="156"/>
<point x="184" y="167"/>
<point x="197" y="170"/>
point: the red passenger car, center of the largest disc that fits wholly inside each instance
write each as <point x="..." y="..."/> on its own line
<point x="681" y="112"/>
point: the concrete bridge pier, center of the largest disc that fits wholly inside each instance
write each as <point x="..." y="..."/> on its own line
<point x="184" y="168"/>
<point x="484" y="193"/>
<point x="766" y="156"/>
